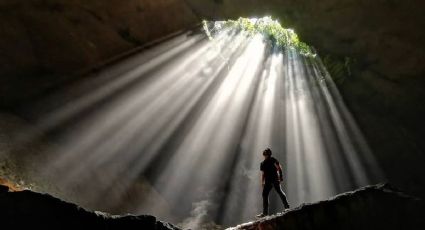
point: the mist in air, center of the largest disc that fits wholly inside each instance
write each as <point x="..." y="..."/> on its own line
<point x="177" y="131"/>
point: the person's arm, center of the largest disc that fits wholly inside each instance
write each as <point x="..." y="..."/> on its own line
<point x="279" y="169"/>
<point x="263" y="178"/>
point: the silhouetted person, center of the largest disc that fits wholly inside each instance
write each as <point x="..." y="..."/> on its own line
<point x="271" y="177"/>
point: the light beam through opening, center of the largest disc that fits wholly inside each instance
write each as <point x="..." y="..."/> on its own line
<point x="178" y="131"/>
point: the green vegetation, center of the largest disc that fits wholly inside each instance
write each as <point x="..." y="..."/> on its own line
<point x="339" y="68"/>
<point x="269" y="28"/>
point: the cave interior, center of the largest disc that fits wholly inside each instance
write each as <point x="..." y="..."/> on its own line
<point x="65" y="64"/>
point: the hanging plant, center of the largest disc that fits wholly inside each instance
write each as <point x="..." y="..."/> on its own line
<point x="269" y="28"/>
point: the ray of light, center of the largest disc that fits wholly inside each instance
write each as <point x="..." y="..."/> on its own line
<point x="187" y="121"/>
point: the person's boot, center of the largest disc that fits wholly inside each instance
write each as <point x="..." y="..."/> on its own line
<point x="261" y="215"/>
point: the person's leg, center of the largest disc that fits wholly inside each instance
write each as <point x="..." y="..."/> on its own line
<point x="266" y="190"/>
<point x="281" y="194"/>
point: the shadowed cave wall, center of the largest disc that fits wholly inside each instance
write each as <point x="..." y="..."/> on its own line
<point x="374" y="49"/>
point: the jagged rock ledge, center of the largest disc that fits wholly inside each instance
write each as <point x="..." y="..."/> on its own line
<point x="373" y="207"/>
<point x="28" y="209"/>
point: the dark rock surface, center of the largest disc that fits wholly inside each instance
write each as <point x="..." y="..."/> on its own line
<point x="27" y="209"/>
<point x="43" y="42"/>
<point x="372" y="207"/>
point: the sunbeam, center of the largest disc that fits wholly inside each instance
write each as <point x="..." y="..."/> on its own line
<point x="177" y="131"/>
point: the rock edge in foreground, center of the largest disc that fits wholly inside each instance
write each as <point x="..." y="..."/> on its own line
<point x="372" y="207"/>
<point x="28" y="209"/>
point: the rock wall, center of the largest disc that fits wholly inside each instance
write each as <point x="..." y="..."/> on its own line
<point x="44" y="42"/>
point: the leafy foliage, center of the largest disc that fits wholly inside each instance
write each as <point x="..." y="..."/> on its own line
<point x="269" y="28"/>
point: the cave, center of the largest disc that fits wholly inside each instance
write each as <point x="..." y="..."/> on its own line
<point x="141" y="113"/>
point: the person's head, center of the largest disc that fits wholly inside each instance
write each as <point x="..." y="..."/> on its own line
<point x="267" y="153"/>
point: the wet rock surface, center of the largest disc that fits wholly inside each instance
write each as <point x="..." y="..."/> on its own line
<point x="372" y="207"/>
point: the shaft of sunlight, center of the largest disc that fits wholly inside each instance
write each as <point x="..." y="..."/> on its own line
<point x="185" y="123"/>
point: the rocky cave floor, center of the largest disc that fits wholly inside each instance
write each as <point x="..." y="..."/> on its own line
<point x="373" y="207"/>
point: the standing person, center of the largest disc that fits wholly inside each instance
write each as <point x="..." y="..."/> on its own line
<point x="271" y="176"/>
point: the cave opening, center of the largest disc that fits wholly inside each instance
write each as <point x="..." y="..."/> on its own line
<point x="177" y="130"/>
<point x="142" y="107"/>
